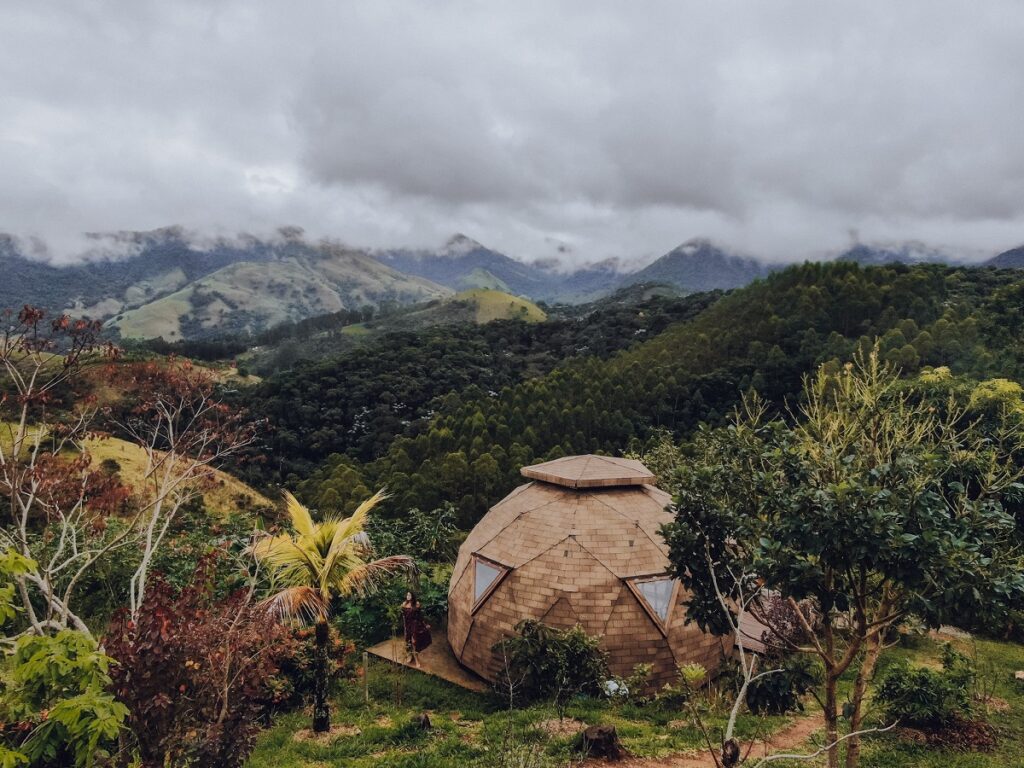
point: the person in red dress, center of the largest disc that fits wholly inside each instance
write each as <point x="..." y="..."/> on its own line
<point x="417" y="631"/>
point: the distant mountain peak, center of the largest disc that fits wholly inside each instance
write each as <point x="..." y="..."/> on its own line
<point x="694" y="245"/>
<point x="459" y="244"/>
<point x="1011" y="259"/>
<point x="700" y="265"/>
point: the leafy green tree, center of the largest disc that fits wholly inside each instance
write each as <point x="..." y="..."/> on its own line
<point x="873" y="507"/>
<point x="54" y="705"/>
<point x="56" y="686"/>
<point x="316" y="563"/>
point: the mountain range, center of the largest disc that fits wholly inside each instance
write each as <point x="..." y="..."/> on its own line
<point x="168" y="285"/>
<point x="463" y="264"/>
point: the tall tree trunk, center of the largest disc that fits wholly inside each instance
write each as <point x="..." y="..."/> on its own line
<point x="321" y="681"/>
<point x="864" y="674"/>
<point x="831" y="719"/>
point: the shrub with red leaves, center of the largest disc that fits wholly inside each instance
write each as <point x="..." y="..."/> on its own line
<point x="195" y="672"/>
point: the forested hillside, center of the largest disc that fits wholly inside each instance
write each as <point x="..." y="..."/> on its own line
<point x="492" y="419"/>
<point x="356" y="403"/>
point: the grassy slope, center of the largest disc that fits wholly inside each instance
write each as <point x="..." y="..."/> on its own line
<point x="481" y="278"/>
<point x="497" y="305"/>
<point x="221" y="497"/>
<point x="7" y="431"/>
<point x="473" y="306"/>
<point x="255" y="295"/>
<point x="158" y="318"/>
<point x="469" y="728"/>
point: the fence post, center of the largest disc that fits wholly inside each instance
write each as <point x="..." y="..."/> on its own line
<point x="366" y="676"/>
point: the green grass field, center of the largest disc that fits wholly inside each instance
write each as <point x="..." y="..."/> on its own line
<point x="468" y="729"/>
<point x="473" y="730"/>
<point x="498" y="305"/>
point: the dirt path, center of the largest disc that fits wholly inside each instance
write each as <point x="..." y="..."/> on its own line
<point x="790" y="738"/>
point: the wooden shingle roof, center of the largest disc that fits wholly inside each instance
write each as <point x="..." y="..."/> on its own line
<point x="590" y="471"/>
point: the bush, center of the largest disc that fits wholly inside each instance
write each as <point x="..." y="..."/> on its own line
<point x="779" y="693"/>
<point x="544" y="663"/>
<point x="110" y="466"/>
<point x="54" y="708"/>
<point x="927" y="698"/>
<point x="295" y="666"/>
<point x="172" y="663"/>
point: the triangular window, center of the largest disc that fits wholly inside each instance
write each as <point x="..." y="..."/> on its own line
<point x="657" y="595"/>
<point x="486" y="576"/>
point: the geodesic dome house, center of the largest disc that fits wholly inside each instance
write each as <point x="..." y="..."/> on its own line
<point x="577" y="545"/>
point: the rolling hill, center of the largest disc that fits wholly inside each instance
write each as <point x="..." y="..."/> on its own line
<point x="491" y="305"/>
<point x="477" y="306"/>
<point x="160" y="262"/>
<point x="911" y="252"/>
<point x="301" y="281"/>
<point x="223" y="494"/>
<point x="463" y="263"/>
<point x="165" y="284"/>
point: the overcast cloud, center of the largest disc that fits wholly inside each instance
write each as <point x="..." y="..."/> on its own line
<point x="617" y="129"/>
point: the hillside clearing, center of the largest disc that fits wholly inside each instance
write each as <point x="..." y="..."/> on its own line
<point x="497" y="305"/>
<point x="223" y="495"/>
<point x="470" y="729"/>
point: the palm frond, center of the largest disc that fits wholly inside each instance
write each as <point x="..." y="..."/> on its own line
<point x="290" y="561"/>
<point x="365" y="578"/>
<point x="302" y="520"/>
<point x="364" y="509"/>
<point x="321" y="559"/>
<point x="325" y="535"/>
<point x="349" y="546"/>
<point x="356" y="522"/>
<point x="298" y="603"/>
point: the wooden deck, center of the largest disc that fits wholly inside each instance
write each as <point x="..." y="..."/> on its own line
<point x="438" y="660"/>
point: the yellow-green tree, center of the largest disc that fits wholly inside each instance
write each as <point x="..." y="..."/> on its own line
<point x="313" y="565"/>
<point x="874" y="506"/>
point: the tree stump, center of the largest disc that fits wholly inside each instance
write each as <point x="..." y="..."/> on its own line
<point x="730" y="753"/>
<point x="601" y="741"/>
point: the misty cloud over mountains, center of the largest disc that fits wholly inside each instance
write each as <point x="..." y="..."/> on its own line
<point x="577" y="130"/>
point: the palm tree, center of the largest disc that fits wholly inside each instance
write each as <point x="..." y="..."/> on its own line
<point x="313" y="565"/>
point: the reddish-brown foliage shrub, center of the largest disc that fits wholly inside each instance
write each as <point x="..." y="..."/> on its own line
<point x="195" y="672"/>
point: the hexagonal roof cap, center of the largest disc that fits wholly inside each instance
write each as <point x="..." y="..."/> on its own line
<point x="590" y="472"/>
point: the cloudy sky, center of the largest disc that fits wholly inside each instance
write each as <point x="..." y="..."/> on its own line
<point x="613" y="128"/>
